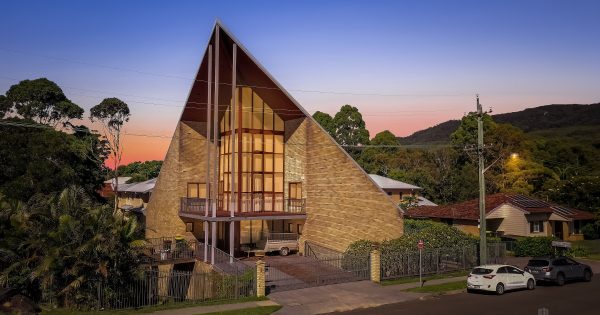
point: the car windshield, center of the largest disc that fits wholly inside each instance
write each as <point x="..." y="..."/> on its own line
<point x="481" y="271"/>
<point x="537" y="263"/>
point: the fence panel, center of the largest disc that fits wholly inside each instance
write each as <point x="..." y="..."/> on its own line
<point x="399" y="264"/>
<point x="319" y="266"/>
<point x="155" y="288"/>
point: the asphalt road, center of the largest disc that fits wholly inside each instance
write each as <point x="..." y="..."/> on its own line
<point x="579" y="298"/>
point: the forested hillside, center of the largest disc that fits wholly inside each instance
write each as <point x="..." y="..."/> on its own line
<point x="530" y="119"/>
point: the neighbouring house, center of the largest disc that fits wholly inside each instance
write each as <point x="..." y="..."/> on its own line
<point x="134" y="197"/>
<point x="247" y="160"/>
<point x="510" y="215"/>
<point x="399" y="191"/>
<point x="108" y="187"/>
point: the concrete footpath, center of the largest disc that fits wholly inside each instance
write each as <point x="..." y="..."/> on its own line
<point x="347" y="296"/>
<point x="214" y="308"/>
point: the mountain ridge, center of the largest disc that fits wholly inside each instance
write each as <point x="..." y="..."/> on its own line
<point x="530" y="119"/>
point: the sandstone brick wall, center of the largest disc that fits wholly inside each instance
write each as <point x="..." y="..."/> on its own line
<point x="295" y="154"/>
<point x="185" y="162"/>
<point x="343" y="204"/>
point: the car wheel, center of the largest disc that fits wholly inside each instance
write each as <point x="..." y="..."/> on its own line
<point x="470" y="291"/>
<point x="530" y="284"/>
<point x="500" y="289"/>
<point x="560" y="279"/>
<point x="284" y="251"/>
<point x="587" y="276"/>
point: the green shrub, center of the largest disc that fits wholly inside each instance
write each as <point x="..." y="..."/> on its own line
<point x="533" y="246"/>
<point x="577" y="251"/>
<point x="433" y="234"/>
<point x="590" y="231"/>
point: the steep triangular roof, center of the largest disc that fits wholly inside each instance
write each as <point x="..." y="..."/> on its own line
<point x="261" y="81"/>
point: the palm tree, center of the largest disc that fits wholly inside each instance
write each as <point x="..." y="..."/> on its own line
<point x="66" y="243"/>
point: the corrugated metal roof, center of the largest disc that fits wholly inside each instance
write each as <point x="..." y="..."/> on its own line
<point x="425" y="202"/>
<point x="121" y="180"/>
<point x="141" y="187"/>
<point x="388" y="183"/>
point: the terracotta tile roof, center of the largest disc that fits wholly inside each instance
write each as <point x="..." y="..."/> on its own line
<point x="469" y="210"/>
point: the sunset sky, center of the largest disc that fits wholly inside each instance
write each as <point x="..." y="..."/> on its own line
<point x="407" y="65"/>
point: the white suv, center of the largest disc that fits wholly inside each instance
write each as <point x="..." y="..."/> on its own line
<point x="499" y="278"/>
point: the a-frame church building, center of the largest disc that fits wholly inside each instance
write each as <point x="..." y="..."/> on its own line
<point x="247" y="160"/>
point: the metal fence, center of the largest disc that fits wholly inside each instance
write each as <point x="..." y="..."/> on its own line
<point x="319" y="266"/>
<point x="156" y="288"/>
<point x="399" y="264"/>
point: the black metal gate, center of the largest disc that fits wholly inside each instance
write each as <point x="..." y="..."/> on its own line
<point x="319" y="266"/>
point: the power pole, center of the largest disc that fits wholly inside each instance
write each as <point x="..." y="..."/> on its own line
<point x="480" y="148"/>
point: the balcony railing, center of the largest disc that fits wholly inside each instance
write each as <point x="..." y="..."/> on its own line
<point x="268" y="204"/>
<point x="174" y="249"/>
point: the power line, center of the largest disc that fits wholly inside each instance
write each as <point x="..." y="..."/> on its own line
<point x="226" y="83"/>
<point x="41" y="126"/>
<point x="282" y="110"/>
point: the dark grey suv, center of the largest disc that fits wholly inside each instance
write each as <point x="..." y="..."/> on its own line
<point x="558" y="269"/>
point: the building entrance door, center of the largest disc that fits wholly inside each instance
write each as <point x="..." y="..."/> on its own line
<point x="558" y="229"/>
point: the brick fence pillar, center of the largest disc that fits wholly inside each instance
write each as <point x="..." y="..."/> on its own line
<point x="260" y="278"/>
<point x="376" y="265"/>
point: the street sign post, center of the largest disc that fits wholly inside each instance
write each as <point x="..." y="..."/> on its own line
<point x="420" y="245"/>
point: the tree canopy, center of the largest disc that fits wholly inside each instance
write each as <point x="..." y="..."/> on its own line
<point x="350" y="128"/>
<point x="42" y="101"/>
<point x="347" y="128"/>
<point x="326" y="121"/>
<point x="112" y="112"/>
<point x="140" y="171"/>
<point x="44" y="160"/>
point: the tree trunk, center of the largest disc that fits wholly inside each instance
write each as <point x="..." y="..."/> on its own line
<point x="116" y="186"/>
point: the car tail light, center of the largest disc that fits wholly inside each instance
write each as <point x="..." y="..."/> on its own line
<point x="547" y="269"/>
<point x="489" y="276"/>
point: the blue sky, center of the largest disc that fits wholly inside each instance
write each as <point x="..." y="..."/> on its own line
<point x="433" y="56"/>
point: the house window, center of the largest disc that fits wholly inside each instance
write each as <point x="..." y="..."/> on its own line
<point x="295" y="190"/>
<point x="299" y="229"/>
<point x="389" y="193"/>
<point x="536" y="226"/>
<point x="196" y="190"/>
<point x="290" y="227"/>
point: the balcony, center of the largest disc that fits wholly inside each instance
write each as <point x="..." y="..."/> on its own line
<point x="267" y="208"/>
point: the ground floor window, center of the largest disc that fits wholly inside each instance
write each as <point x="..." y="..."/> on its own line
<point x="536" y="226"/>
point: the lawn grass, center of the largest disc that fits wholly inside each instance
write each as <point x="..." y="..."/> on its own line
<point x="261" y="310"/>
<point x="592" y="246"/>
<point x="426" y="278"/>
<point x="593" y="256"/>
<point x="150" y="309"/>
<point x="440" y="288"/>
